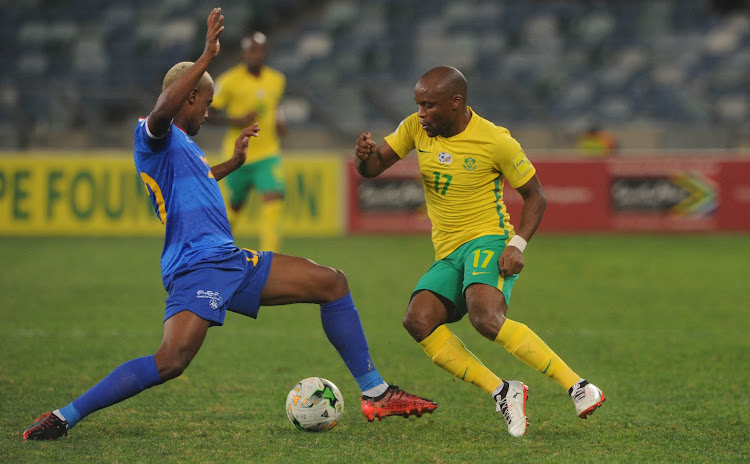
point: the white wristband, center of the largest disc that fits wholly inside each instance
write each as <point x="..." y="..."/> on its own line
<point x="518" y="242"/>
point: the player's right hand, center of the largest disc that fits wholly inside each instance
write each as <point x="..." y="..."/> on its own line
<point x="215" y="28"/>
<point x="510" y="261"/>
<point x="240" y="145"/>
<point x="365" y="146"/>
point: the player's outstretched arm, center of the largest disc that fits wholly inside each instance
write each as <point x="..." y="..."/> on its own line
<point x="173" y="97"/>
<point x="371" y="160"/>
<point x="534" y="204"/>
<point x="222" y="170"/>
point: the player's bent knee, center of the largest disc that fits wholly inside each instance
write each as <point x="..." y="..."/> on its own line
<point x="408" y="323"/>
<point x="342" y="283"/>
<point x="488" y="325"/>
<point x="418" y="327"/>
<point x="172" y="369"/>
<point x="335" y="284"/>
<point x="172" y="364"/>
<point x="170" y="373"/>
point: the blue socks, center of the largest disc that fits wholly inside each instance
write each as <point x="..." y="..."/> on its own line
<point x="341" y="325"/>
<point x="125" y="381"/>
<point x="344" y="330"/>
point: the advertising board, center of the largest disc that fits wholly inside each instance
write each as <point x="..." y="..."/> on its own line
<point x="69" y="194"/>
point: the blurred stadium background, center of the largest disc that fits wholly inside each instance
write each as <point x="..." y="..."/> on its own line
<point x="659" y="74"/>
<point x="668" y="79"/>
<point x="649" y="315"/>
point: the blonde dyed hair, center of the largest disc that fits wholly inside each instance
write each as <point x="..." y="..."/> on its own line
<point x="179" y="69"/>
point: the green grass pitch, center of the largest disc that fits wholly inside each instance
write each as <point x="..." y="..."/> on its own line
<point x="659" y="322"/>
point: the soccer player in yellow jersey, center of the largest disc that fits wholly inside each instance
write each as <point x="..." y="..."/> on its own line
<point x="247" y="93"/>
<point x="464" y="160"/>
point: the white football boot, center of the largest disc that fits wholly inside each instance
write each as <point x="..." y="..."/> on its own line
<point x="511" y="399"/>
<point x="586" y="397"/>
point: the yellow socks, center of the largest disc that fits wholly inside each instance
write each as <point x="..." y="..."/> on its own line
<point x="448" y="352"/>
<point x="270" y="225"/>
<point x="524" y="344"/>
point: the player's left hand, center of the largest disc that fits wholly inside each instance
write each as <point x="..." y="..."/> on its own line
<point x="510" y="261"/>
<point x="215" y="23"/>
<point x="240" y="145"/>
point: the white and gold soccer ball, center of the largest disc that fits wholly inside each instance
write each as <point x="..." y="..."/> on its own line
<point x="314" y="405"/>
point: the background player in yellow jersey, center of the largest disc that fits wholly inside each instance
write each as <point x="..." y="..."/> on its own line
<point x="464" y="160"/>
<point x="251" y="92"/>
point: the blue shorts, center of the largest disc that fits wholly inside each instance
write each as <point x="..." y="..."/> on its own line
<point x="209" y="289"/>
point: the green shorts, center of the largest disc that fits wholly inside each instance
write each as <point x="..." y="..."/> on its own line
<point x="265" y="176"/>
<point x="473" y="262"/>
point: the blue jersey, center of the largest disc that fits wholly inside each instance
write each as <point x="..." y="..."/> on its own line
<point x="186" y="198"/>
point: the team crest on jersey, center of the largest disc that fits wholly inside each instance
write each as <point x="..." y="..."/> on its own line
<point x="470" y="163"/>
<point x="445" y="158"/>
<point x="213" y="297"/>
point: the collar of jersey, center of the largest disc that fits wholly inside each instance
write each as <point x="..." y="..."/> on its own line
<point x="183" y="130"/>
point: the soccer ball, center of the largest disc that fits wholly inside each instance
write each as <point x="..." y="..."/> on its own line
<point x="314" y="404"/>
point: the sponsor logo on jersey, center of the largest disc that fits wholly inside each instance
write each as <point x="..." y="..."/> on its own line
<point x="521" y="162"/>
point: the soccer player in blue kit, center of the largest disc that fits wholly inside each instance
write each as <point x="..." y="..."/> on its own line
<point x="205" y="274"/>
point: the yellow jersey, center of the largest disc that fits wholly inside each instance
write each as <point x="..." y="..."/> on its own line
<point x="237" y="93"/>
<point x="463" y="178"/>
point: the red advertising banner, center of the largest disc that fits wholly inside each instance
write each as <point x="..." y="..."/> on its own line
<point x="664" y="194"/>
<point x="391" y="202"/>
<point x="734" y="183"/>
<point x="659" y="194"/>
<point x="576" y="195"/>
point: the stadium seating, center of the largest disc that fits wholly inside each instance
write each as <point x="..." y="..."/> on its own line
<point x="91" y="65"/>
